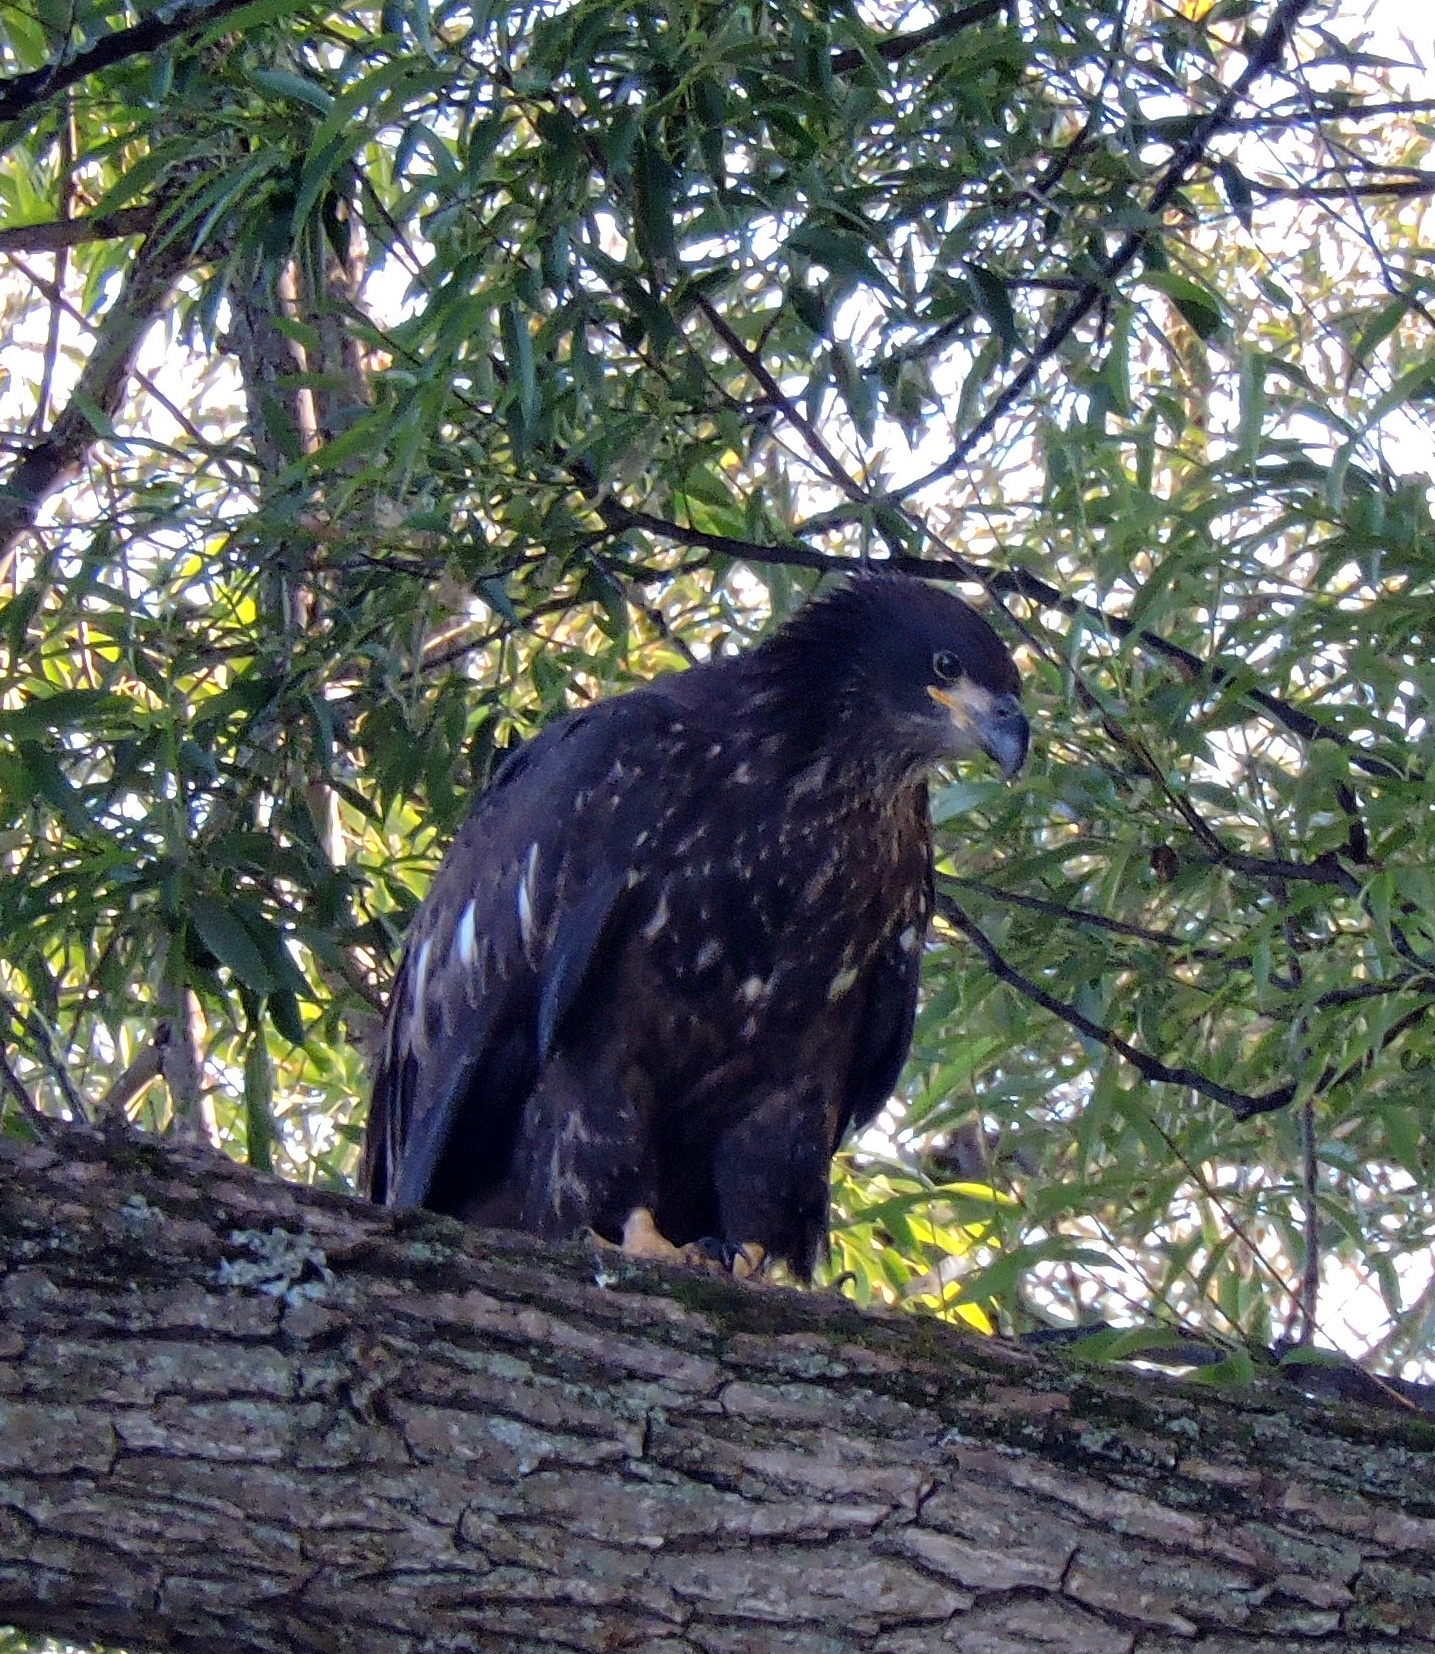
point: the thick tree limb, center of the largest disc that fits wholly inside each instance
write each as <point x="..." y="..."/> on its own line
<point x="240" y="1416"/>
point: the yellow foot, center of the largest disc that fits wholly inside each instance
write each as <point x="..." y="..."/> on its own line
<point x="644" y="1240"/>
<point x="641" y="1239"/>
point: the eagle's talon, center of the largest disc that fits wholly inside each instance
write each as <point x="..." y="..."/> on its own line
<point x="740" y="1259"/>
<point x="644" y="1241"/>
<point x="714" y="1249"/>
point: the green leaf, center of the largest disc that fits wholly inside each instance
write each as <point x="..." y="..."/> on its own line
<point x="286" y="1016"/>
<point x="838" y="250"/>
<point x="518" y="351"/>
<point x="492" y="592"/>
<point x="226" y="937"/>
<point x="238" y="23"/>
<point x="1414" y="385"/>
<point x="1380" y="326"/>
<point x="297" y="88"/>
<point x="259" y="1129"/>
<point x="322" y="166"/>
<point x="958" y="797"/>
<point x="45" y="779"/>
<point x="1199" y="305"/>
<point x="994" y="303"/>
<point x="136" y="179"/>
<point x="1235" y="1372"/>
<point x="1238" y="191"/>
<point x="67" y="709"/>
<point x="656" y="181"/>
<point x="1252" y="391"/>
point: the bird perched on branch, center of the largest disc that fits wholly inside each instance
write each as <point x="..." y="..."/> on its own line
<point x="673" y="954"/>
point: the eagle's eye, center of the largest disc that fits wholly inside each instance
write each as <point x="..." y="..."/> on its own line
<point x="946" y="666"/>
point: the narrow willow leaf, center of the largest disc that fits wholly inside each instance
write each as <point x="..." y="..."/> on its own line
<point x="259" y="1129"/>
<point x="229" y="941"/>
<point x="299" y="88"/>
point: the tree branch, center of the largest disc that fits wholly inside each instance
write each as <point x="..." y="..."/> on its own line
<point x="1412" y="982"/>
<point x="74" y="232"/>
<point x="1176" y="128"/>
<point x="898" y="46"/>
<point x="1393" y="188"/>
<point x="754" y="364"/>
<point x="1332" y="1078"/>
<point x="19" y="94"/>
<point x="178" y="1038"/>
<point x="33" y="1025"/>
<point x="39" y="1122"/>
<point x="57" y="457"/>
<point x="1093" y="921"/>
<point x="999" y="583"/>
<point x="1242" y="1104"/>
<point x="1022" y="583"/>
<point x="147" y="1067"/>
<point x="1263" y="59"/>
<point x="1308" y="1299"/>
<point x="243" y="1416"/>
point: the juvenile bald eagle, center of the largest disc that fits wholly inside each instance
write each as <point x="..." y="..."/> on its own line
<point x="672" y="955"/>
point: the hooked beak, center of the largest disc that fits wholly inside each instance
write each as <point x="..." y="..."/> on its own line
<point x="995" y="724"/>
<point x="1005" y="734"/>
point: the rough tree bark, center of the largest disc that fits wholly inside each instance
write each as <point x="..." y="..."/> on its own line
<point x="242" y="1416"/>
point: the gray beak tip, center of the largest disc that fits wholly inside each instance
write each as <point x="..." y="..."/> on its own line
<point x="1007" y="736"/>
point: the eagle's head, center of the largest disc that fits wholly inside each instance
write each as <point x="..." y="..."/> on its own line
<point x="919" y="674"/>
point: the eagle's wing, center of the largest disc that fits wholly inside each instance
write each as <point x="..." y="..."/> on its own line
<point x="500" y="947"/>
<point x="884" y="1031"/>
<point x="883" y="1036"/>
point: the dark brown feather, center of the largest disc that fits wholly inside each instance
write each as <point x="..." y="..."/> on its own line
<point x="673" y="954"/>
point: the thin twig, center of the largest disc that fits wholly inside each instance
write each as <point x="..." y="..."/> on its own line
<point x="1400" y="189"/>
<point x="1242" y="1104"/>
<point x="42" y="1124"/>
<point x="1264" y="58"/>
<point x="148" y="1066"/>
<point x="1332" y="1080"/>
<point x="1094" y="921"/>
<point x="898" y="46"/>
<point x="755" y="365"/>
<point x="1002" y="583"/>
<point x="62" y="261"/>
<point x="39" y="1034"/>
<point x="1310" y="1183"/>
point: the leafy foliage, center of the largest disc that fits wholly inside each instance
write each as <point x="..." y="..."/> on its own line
<point x="503" y="356"/>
